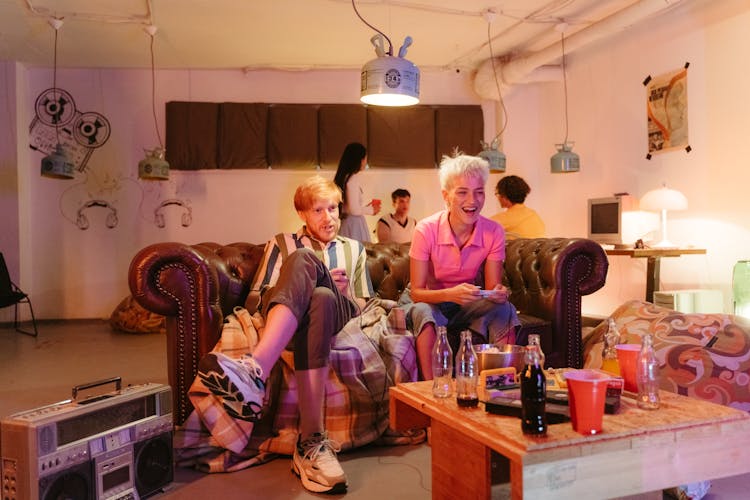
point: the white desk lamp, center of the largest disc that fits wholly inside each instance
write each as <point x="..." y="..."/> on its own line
<point x="664" y="199"/>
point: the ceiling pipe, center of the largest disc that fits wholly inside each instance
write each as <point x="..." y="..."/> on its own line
<point x="522" y="69"/>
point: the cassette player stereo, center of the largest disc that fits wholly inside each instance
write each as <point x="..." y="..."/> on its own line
<point x="114" y="446"/>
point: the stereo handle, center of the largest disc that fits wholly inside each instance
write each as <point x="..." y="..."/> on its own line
<point x="113" y="380"/>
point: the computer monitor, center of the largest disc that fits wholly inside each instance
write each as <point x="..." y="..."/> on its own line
<point x="605" y="219"/>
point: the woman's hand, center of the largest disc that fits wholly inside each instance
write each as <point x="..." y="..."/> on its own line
<point x="465" y="293"/>
<point x="499" y="294"/>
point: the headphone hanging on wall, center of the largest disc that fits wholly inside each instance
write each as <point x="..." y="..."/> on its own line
<point x="185" y="220"/>
<point x="83" y="222"/>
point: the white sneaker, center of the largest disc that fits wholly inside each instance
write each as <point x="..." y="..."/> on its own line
<point x="238" y="383"/>
<point x="315" y="463"/>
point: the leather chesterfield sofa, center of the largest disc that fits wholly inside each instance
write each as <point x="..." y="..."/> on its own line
<point x="195" y="286"/>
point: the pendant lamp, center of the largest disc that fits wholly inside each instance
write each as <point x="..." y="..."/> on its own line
<point x="56" y="165"/>
<point x="153" y="166"/>
<point x="565" y="160"/>
<point x="492" y="152"/>
<point x="388" y="80"/>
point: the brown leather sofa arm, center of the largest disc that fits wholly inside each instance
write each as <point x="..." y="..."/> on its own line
<point x="193" y="287"/>
<point x="547" y="278"/>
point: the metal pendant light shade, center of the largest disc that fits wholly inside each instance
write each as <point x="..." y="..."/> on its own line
<point x="153" y="166"/>
<point x="565" y="160"/>
<point x="495" y="158"/>
<point x="57" y="165"/>
<point x="389" y="81"/>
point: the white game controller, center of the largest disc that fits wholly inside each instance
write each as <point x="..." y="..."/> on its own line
<point x="487" y="293"/>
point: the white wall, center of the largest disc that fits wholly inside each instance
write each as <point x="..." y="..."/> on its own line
<point x="75" y="274"/>
<point x="82" y="273"/>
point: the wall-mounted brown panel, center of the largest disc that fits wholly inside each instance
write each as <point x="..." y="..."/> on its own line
<point x="338" y="125"/>
<point x="401" y="137"/>
<point x="191" y="135"/>
<point x="458" y="128"/>
<point x="293" y="135"/>
<point x="243" y="133"/>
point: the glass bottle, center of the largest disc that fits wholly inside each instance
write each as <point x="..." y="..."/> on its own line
<point x="609" y="356"/>
<point x="442" y="365"/>
<point x="533" y="394"/>
<point x="534" y="341"/>
<point x="647" y="375"/>
<point x="467" y="372"/>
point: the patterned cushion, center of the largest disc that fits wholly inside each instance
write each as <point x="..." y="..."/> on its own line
<point x="129" y="316"/>
<point x="705" y="356"/>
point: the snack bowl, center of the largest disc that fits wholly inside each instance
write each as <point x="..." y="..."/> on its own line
<point x="503" y="356"/>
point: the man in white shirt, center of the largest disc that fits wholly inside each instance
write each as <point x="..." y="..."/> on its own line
<point x="397" y="227"/>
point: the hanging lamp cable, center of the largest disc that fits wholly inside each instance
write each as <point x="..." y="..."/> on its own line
<point x="565" y="85"/>
<point x="54" y="82"/>
<point x="390" y="45"/>
<point x="497" y="85"/>
<point x="152" y="32"/>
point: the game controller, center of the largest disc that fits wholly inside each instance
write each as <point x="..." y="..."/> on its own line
<point x="487" y="293"/>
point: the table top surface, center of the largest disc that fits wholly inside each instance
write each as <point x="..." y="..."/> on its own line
<point x="654" y="252"/>
<point x="630" y="427"/>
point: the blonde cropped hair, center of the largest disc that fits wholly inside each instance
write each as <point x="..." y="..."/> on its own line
<point x="452" y="167"/>
<point x="315" y="188"/>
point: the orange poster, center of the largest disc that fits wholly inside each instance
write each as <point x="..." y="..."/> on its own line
<point x="666" y="102"/>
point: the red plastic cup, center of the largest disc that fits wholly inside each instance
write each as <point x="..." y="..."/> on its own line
<point x="587" y="393"/>
<point x="376" y="203"/>
<point x="627" y="356"/>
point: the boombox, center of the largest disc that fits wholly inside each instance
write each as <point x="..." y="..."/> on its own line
<point x="113" y="446"/>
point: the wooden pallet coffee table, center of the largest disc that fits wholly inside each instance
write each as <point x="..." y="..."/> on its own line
<point x="684" y="441"/>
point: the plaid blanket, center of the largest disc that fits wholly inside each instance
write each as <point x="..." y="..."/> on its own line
<point x="371" y="353"/>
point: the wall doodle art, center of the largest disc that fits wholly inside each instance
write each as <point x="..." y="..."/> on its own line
<point x="58" y="121"/>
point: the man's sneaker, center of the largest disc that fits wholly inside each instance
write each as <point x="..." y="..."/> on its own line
<point x="238" y="383"/>
<point x="315" y="463"/>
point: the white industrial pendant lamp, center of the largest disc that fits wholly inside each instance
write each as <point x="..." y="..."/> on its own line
<point x="388" y="80"/>
<point x="154" y="166"/>
<point x="565" y="160"/>
<point x="56" y="165"/>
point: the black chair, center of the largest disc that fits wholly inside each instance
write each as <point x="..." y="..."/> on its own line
<point x="11" y="295"/>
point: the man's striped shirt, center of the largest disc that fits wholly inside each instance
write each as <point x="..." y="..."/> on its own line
<point x="341" y="252"/>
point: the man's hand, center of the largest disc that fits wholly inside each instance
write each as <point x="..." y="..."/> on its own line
<point x="342" y="280"/>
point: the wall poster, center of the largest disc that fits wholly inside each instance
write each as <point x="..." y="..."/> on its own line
<point x="666" y="105"/>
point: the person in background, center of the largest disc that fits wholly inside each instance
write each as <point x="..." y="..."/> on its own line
<point x="353" y="208"/>
<point x="450" y="252"/>
<point x="518" y="220"/>
<point x="397" y="227"/>
<point x="311" y="283"/>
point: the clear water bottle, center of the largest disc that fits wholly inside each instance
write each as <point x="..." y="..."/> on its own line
<point x="467" y="372"/>
<point x="442" y="365"/>
<point x="647" y="375"/>
<point x="536" y="343"/>
<point x="609" y="356"/>
<point x="533" y="395"/>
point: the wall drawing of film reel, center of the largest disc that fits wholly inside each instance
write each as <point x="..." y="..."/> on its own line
<point x="55" y="107"/>
<point x="91" y="129"/>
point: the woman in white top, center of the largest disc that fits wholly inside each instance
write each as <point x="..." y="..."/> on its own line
<point x="353" y="209"/>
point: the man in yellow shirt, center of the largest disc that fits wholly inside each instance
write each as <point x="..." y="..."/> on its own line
<point x="518" y="220"/>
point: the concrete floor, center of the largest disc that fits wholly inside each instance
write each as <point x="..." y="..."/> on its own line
<point x="39" y="371"/>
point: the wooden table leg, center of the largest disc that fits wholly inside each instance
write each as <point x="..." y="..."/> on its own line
<point x="652" y="277"/>
<point x="461" y="466"/>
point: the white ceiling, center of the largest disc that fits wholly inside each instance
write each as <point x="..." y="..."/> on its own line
<point x="287" y="34"/>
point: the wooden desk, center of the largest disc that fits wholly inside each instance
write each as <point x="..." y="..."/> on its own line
<point x="684" y="441"/>
<point x="653" y="265"/>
